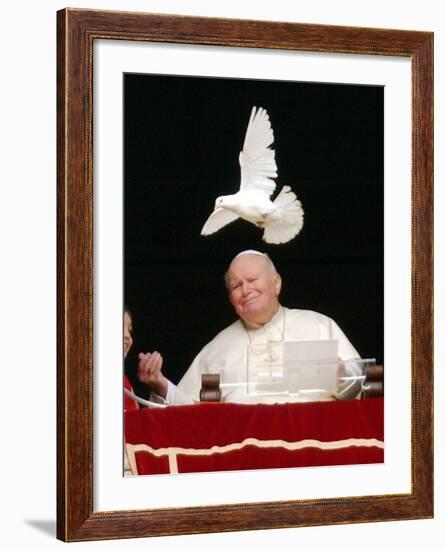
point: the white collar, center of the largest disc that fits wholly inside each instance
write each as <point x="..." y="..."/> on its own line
<point x="274" y="328"/>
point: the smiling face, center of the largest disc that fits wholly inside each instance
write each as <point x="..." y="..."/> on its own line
<point x="254" y="288"/>
<point x="128" y="330"/>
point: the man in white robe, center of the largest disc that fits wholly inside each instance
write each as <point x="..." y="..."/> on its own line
<point x="261" y="331"/>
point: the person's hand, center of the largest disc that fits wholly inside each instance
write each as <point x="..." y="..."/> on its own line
<point x="149" y="372"/>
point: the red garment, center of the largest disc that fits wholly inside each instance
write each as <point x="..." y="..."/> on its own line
<point x="129" y="404"/>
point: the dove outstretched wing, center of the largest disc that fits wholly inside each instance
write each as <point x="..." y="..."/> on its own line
<point x="257" y="160"/>
<point x="217" y="219"/>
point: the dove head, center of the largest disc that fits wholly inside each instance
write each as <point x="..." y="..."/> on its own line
<point x="225" y="201"/>
<point x="254" y="287"/>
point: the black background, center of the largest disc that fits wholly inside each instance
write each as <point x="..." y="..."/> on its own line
<point x="182" y="138"/>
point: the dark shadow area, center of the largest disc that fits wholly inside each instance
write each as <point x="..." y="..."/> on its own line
<point x="47" y="526"/>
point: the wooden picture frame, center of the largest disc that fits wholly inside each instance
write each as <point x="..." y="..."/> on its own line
<point x="77" y="31"/>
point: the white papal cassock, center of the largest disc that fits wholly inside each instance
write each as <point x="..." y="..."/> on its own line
<point x="228" y="352"/>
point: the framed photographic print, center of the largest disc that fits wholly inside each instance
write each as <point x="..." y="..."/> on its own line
<point x="152" y="114"/>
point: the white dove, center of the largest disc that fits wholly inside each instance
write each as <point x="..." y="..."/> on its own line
<point x="281" y="219"/>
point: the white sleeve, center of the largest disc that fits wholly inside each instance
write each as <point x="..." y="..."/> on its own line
<point x="188" y="388"/>
<point x="345" y="349"/>
<point x="350" y="389"/>
<point x="190" y="383"/>
<point x="174" y="396"/>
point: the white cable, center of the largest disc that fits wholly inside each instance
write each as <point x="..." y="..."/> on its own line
<point x="143" y="401"/>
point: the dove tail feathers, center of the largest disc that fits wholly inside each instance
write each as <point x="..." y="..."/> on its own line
<point x="287" y="221"/>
